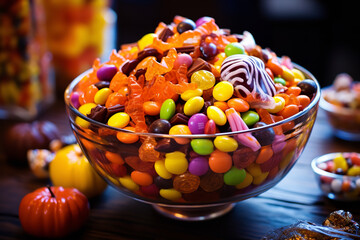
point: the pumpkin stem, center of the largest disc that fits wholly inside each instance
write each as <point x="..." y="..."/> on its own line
<point x="51" y="192"/>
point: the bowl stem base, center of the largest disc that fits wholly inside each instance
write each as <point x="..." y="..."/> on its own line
<point x="194" y="213"/>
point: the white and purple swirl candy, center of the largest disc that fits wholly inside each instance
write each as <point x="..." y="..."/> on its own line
<point x="250" y="80"/>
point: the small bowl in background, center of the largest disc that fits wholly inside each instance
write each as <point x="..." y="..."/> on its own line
<point x="344" y="121"/>
<point x="341" y="103"/>
<point x="336" y="186"/>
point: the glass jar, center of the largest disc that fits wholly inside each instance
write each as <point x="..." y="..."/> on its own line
<point x="77" y="33"/>
<point x="26" y="85"/>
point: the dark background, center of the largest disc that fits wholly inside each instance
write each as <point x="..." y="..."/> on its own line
<point x="322" y="36"/>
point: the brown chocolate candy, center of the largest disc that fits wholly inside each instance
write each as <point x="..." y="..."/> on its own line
<point x="198" y="64"/>
<point x="98" y="113"/>
<point x="114" y="109"/>
<point x="179" y="118"/>
<point x="165" y="34"/>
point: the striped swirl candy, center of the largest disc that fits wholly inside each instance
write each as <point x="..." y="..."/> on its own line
<point x="250" y="80"/>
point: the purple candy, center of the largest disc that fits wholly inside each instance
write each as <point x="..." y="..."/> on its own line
<point x="74" y="99"/>
<point x="106" y="72"/>
<point x="198" y="166"/>
<point x="197" y="123"/>
<point x="203" y="20"/>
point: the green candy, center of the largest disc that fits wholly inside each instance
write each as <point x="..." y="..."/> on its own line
<point x="167" y="110"/>
<point x="280" y="80"/>
<point x="202" y="146"/>
<point x="234" y="48"/>
<point x="234" y="176"/>
<point x="250" y="117"/>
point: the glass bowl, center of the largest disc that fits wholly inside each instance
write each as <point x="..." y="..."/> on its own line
<point x="187" y="188"/>
<point x="345" y="122"/>
<point x="336" y="186"/>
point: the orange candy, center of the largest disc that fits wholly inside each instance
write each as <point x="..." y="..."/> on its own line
<point x="238" y="104"/>
<point x="304" y="101"/>
<point x="222" y="105"/>
<point x="89" y="93"/>
<point x="141" y="178"/>
<point x="114" y="99"/>
<point x="265" y="154"/>
<point x="151" y="108"/>
<point x="114" y="158"/>
<point x="289" y="110"/>
<point x="127" y="138"/>
<point x="220" y="162"/>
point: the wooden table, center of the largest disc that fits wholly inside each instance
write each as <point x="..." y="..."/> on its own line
<point x="115" y="216"/>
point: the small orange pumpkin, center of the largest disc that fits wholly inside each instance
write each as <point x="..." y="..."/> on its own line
<point x="53" y="212"/>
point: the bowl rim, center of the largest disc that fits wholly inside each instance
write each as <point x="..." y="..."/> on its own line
<point x="328" y="157"/>
<point x="313" y="104"/>
<point x="329" y="107"/>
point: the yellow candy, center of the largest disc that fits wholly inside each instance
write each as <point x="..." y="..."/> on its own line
<point x="102" y="95"/>
<point x="176" y="162"/>
<point x="191" y="93"/>
<point x="85" y="110"/>
<point x="119" y="120"/>
<point x="247" y="181"/>
<point x="193" y="105"/>
<point x="279" y="105"/>
<point x="128" y="183"/>
<point x="180" y="129"/>
<point x="221" y="57"/>
<point x="170" y="194"/>
<point x="223" y="91"/>
<point x="340" y="162"/>
<point x="217" y="115"/>
<point x="298" y="74"/>
<point x="146" y="40"/>
<point x="354" y="171"/>
<point x="287" y="74"/>
<point x="225" y="143"/>
<point x="204" y="79"/>
<point x="259" y="179"/>
<point x="254" y="169"/>
<point x="161" y="170"/>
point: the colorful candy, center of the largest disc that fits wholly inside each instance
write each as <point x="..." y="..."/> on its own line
<point x="186" y="80"/>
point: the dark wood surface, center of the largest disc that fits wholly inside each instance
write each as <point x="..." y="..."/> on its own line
<point x="115" y="216"/>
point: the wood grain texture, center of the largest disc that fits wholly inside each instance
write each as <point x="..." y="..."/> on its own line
<point x="115" y="216"/>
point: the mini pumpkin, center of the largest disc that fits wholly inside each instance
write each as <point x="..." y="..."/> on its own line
<point x="22" y="137"/>
<point x="53" y="212"/>
<point x="70" y="168"/>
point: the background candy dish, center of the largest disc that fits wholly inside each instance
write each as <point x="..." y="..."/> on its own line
<point x="338" y="175"/>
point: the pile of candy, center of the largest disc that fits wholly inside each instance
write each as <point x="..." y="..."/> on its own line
<point x="25" y="83"/>
<point x="345" y="92"/>
<point x="345" y="164"/>
<point x="191" y="78"/>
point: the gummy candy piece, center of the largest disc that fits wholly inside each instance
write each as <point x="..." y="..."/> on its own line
<point x="267" y="118"/>
<point x="210" y="182"/>
<point x="207" y="28"/>
<point x="250" y="80"/>
<point x="136" y="163"/>
<point x="154" y="68"/>
<point x="147" y="153"/>
<point x="237" y="124"/>
<point x="183" y="81"/>
<point x="118" y="81"/>
<point x="244" y="157"/>
<point x="116" y="59"/>
<point x="161" y="26"/>
<point x="186" y="183"/>
<point x="134" y="105"/>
